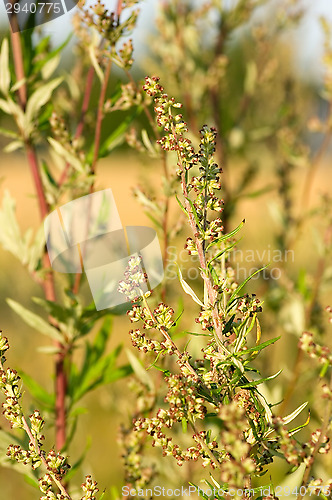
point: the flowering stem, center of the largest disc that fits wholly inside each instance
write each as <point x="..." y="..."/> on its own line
<point x="204" y="445"/>
<point x="39" y="451"/>
<point x="200" y="251"/>
<point x="167" y="336"/>
<point x="42" y="458"/>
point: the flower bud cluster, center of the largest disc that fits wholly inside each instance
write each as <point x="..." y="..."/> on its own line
<point x="57" y="464"/>
<point x="173" y="125"/>
<point x="319" y="487"/>
<point x="205" y="319"/>
<point x="294" y="453"/>
<point x="226" y="282"/>
<point x="183" y="398"/>
<point x="129" y="98"/>
<point x="34" y="456"/>
<point x="61" y="133"/>
<point x="135" y="277"/>
<point x="153" y="427"/>
<point x="140" y="340"/>
<point x="321" y="353"/>
<point x="248" y="305"/>
<point x="237" y="463"/>
<point x="208" y="181"/>
<point x="327" y="392"/>
<point x="90" y="489"/>
<point x="9" y="384"/>
<point x="101" y="19"/>
<point x="15" y="452"/>
<point x="190" y="246"/>
<point x="137" y="472"/>
<point x="161" y="316"/>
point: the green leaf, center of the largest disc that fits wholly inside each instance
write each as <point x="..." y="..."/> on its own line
<point x="59" y="312"/>
<point x="40" y="97"/>
<point x="219" y="254"/>
<point x="50" y="66"/>
<point x="37" y="391"/>
<point x="254" y="383"/>
<point x="115" y="138"/>
<point x="295" y="413"/>
<point x="18" y="84"/>
<point x="140" y="371"/>
<point x="93" y="58"/>
<point x="4" y="67"/>
<point x="66" y="155"/>
<point x="13" y="146"/>
<point x="5" y="106"/>
<point x="8" y="133"/>
<point x="35" y="321"/>
<point x="200" y="491"/>
<point x="258" y="347"/>
<point x="49" y="349"/>
<point x="181" y="206"/>
<point x="187" y="289"/>
<point x="227" y="236"/>
<point x="239" y="288"/>
<point x="147" y="143"/>
<point x="42" y="48"/>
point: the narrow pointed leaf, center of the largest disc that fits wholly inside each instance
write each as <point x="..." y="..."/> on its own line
<point x="188" y="289"/>
<point x="35" y="321"/>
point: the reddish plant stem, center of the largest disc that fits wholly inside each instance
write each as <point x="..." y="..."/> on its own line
<point x="34" y="167"/>
<point x="48" y="283"/>
<point x="80" y="126"/>
<point x="18" y="64"/>
<point x="119" y="9"/>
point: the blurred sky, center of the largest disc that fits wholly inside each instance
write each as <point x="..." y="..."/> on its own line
<point x="308" y="38"/>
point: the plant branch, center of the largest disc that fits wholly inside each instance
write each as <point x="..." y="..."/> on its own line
<point x="42" y="458"/>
